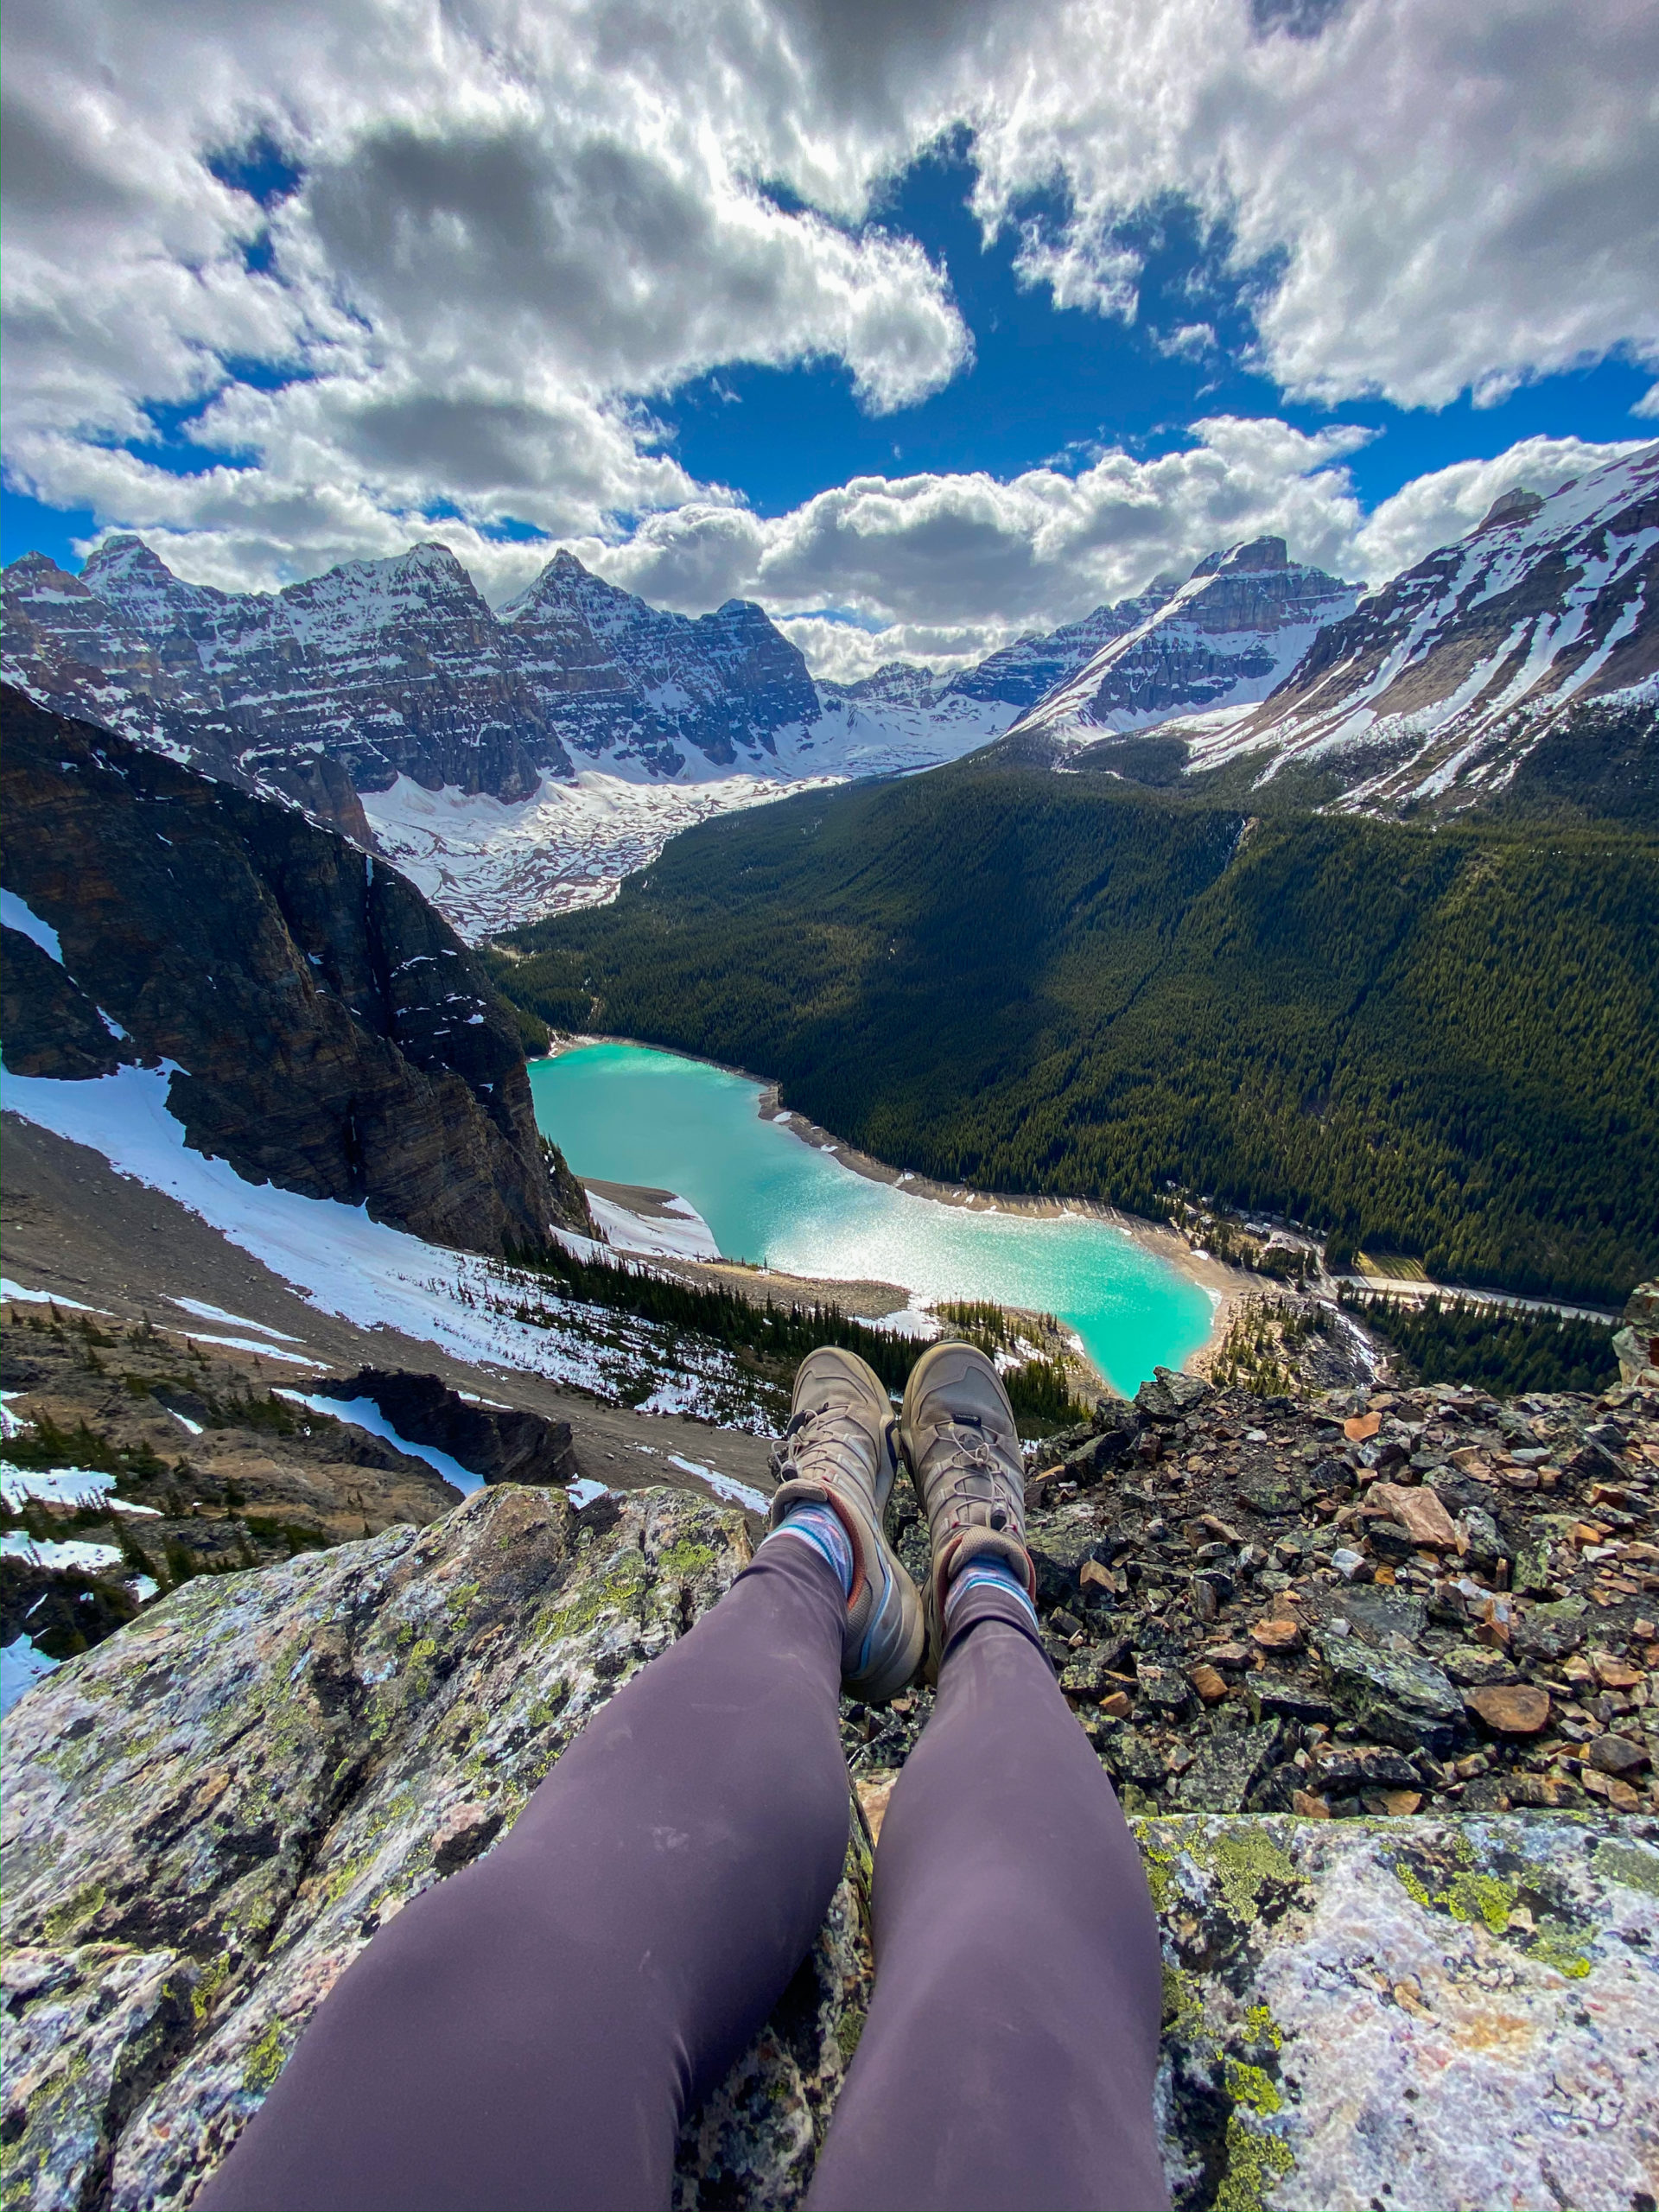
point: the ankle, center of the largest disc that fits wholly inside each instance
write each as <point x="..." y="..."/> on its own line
<point x="819" y="1527"/>
<point x="993" y="1575"/>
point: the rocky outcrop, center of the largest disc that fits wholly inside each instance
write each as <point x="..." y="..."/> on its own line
<point x="1373" y="1603"/>
<point x="326" y="1029"/>
<point x="168" y="1456"/>
<point x="502" y="1444"/>
<point x="1636" y="1343"/>
<point x="207" y="1817"/>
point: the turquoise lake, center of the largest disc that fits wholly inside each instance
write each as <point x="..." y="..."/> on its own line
<point x="622" y="1114"/>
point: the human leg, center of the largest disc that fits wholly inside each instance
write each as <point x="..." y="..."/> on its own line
<point x="530" y="2032"/>
<point x="1012" y="2042"/>
<point x="1009" y="2053"/>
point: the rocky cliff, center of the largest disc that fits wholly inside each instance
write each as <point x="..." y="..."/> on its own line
<point x="1027" y="671"/>
<point x="398" y="668"/>
<point x="1236" y="628"/>
<point x="325" y="1030"/>
<point x="637" y="683"/>
<point x="207" y="1816"/>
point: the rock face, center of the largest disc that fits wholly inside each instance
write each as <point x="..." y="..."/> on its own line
<point x="382" y="669"/>
<point x="1027" y="671"/>
<point x="500" y="1443"/>
<point x="1239" y="625"/>
<point x="621" y="678"/>
<point x="327" y="1030"/>
<point x="206" y="1817"/>
<point x="385" y="668"/>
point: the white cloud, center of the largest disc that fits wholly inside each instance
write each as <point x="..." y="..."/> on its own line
<point x="1460" y="197"/>
<point x="1435" y="508"/>
<point x="518" y="223"/>
<point x="967" y="549"/>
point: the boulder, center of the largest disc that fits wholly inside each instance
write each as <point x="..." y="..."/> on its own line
<point x="1168" y="1395"/>
<point x="206" y="1816"/>
<point x="1407" y="1702"/>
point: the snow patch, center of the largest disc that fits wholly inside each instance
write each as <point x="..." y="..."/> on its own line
<point x="343" y="1263"/>
<point x="20" y="1667"/>
<point x="258" y="1344"/>
<point x="684" y="1233"/>
<point x="726" y="1486"/>
<point x="63" y="1486"/>
<point x="17" y="916"/>
<point x="87" y="1559"/>
<point x="363" y="1412"/>
<point x="15" y="1291"/>
<point x="205" y="1313"/>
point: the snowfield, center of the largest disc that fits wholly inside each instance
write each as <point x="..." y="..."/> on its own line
<point x="487" y="865"/>
<point x="342" y="1263"/>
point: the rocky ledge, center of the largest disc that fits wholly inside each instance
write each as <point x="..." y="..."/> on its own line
<point x="1375" y="1603"/>
<point x="208" y="1814"/>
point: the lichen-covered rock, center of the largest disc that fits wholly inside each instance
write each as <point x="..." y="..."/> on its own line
<point x="205" y="1821"/>
<point x="206" y="1816"/>
<point x="1445" y="2013"/>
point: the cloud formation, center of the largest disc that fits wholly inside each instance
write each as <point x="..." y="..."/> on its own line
<point x="496" y="233"/>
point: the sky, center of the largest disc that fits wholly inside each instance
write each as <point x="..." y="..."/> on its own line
<point x="923" y="322"/>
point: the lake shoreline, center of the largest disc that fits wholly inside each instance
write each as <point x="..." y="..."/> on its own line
<point x="1224" y="1286"/>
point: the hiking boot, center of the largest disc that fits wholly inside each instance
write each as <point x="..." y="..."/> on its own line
<point x="839" y="1450"/>
<point x="958" y="1436"/>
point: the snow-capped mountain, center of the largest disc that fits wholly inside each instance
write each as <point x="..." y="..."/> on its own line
<point x="617" y="677"/>
<point x="387" y="667"/>
<point x="1534" y="639"/>
<point x="1027" y="671"/>
<point x="512" y="764"/>
<point x="1241" y="623"/>
<point x="1440" y="686"/>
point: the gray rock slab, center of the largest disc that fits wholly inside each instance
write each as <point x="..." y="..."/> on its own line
<point x="206" y="1817"/>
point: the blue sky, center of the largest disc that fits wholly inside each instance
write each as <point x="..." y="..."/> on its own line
<point x="1088" y="286"/>
<point x="1052" y="384"/>
<point x="1047" y="385"/>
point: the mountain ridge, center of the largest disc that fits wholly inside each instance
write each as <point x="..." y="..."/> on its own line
<point x="323" y="1027"/>
<point x="521" y="762"/>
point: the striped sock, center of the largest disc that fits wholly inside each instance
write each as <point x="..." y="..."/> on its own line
<point x="984" y="1574"/>
<point x="819" y="1526"/>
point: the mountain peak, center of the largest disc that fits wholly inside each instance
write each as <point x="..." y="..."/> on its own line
<point x="1252" y="558"/>
<point x="1517" y="506"/>
<point x="127" y="555"/>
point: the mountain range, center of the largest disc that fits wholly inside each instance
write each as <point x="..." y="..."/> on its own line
<point x="1440" y="688"/>
<point x="519" y="763"/>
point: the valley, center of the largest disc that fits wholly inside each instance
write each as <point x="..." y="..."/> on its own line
<point x="768" y="1196"/>
<point x="1439" y="1039"/>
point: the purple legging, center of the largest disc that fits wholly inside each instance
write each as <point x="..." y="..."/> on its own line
<point x="532" y="2032"/>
